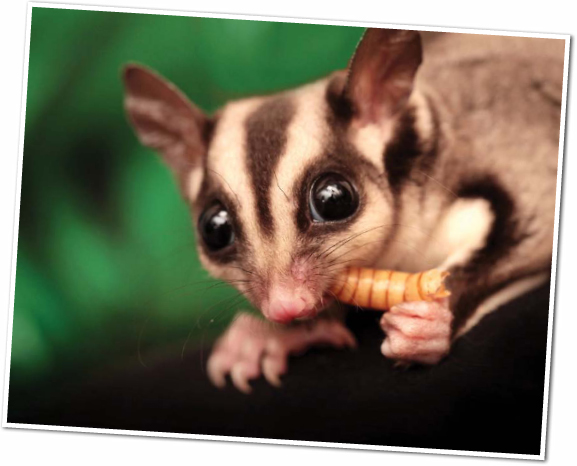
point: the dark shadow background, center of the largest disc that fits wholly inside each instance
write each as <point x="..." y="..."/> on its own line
<point x="113" y="314"/>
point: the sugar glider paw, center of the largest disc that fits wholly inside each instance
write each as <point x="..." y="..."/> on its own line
<point x="252" y="347"/>
<point x="417" y="331"/>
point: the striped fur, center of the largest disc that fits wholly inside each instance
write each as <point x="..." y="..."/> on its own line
<point x="275" y="189"/>
<point x="432" y="155"/>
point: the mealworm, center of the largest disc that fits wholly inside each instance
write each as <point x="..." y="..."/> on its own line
<point x="383" y="289"/>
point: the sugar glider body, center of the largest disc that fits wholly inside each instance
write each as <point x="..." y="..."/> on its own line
<point x="431" y="150"/>
<point x="497" y="102"/>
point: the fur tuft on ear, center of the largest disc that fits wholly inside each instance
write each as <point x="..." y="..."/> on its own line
<point x="381" y="73"/>
<point x="164" y="119"/>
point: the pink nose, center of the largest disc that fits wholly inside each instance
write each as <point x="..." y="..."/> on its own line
<point x="285" y="309"/>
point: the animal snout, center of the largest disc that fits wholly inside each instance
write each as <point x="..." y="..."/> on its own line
<point x="285" y="305"/>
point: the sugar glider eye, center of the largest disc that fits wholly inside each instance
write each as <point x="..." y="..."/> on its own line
<point x="332" y="197"/>
<point x="215" y="227"/>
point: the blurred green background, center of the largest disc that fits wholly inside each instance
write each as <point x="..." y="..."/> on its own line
<point x="106" y="269"/>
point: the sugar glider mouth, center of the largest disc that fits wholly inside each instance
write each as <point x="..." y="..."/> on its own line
<point x="319" y="308"/>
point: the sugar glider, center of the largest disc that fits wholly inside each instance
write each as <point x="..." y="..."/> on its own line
<point x="430" y="150"/>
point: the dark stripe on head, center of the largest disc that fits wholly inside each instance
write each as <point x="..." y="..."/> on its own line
<point x="266" y="130"/>
<point x="340" y="157"/>
<point x="402" y="152"/>
<point x="406" y="150"/>
<point x="215" y="188"/>
<point x="208" y="132"/>
<point x="340" y="106"/>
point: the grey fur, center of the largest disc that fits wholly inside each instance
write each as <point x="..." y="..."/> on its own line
<point x="494" y="103"/>
<point x="499" y="100"/>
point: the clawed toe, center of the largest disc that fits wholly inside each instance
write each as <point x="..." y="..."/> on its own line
<point x="251" y="348"/>
<point x="273" y="368"/>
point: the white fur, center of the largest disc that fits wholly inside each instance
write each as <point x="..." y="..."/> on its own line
<point x="370" y="141"/>
<point x="227" y="160"/>
<point x="423" y="117"/>
<point x="462" y="231"/>
<point x="194" y="182"/>
<point x="305" y="144"/>
<point x="227" y="157"/>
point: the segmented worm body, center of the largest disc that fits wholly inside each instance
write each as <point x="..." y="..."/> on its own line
<point x="383" y="289"/>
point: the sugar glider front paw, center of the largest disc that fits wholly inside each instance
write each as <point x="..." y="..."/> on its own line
<point x="252" y="347"/>
<point x="418" y="331"/>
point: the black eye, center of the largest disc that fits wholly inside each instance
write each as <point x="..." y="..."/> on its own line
<point x="332" y="198"/>
<point x="215" y="226"/>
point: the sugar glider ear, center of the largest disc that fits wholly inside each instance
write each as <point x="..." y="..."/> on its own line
<point x="165" y="119"/>
<point x="381" y="73"/>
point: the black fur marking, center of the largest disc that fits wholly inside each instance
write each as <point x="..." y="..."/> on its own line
<point x="214" y="189"/>
<point x="402" y="152"/>
<point x="340" y="106"/>
<point x="408" y="156"/>
<point x="340" y="157"/>
<point x="477" y="289"/>
<point x="208" y="131"/>
<point x="476" y="280"/>
<point x="266" y="139"/>
<point x="504" y="232"/>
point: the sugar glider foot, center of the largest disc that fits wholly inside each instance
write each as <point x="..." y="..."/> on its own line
<point x="417" y="331"/>
<point x="252" y="347"/>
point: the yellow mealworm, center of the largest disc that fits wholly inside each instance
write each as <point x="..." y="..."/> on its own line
<point x="383" y="289"/>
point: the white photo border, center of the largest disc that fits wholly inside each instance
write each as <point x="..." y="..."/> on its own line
<point x="565" y="37"/>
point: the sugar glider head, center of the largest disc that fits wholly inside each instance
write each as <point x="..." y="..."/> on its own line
<point x="288" y="189"/>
